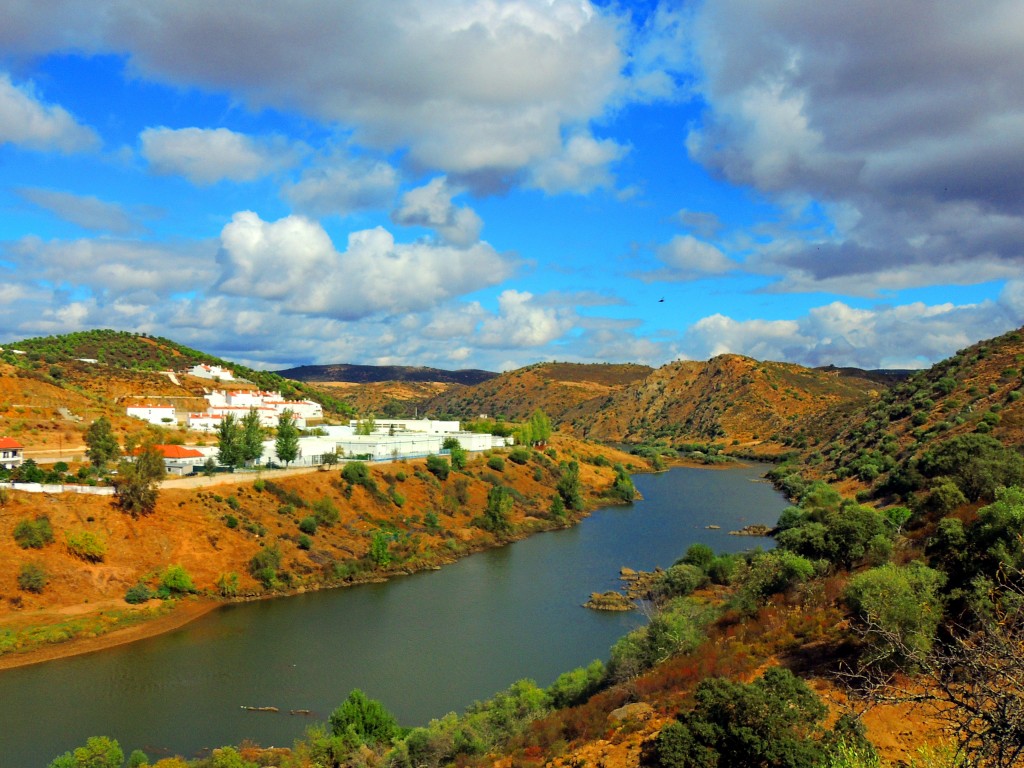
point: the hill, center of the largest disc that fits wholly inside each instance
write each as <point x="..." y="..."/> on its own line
<point x="366" y="374"/>
<point x="72" y="379"/>
<point x="555" y="388"/>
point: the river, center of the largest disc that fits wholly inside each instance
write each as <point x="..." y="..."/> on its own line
<point x="425" y="644"/>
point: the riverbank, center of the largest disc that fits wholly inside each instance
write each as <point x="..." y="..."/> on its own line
<point x="183" y="613"/>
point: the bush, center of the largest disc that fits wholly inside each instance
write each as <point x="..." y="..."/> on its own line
<point x="264" y="565"/>
<point x="575" y="687"/>
<point x="519" y="455"/>
<point x="227" y="584"/>
<point x="775" y="721"/>
<point x="356" y="473"/>
<point x="438" y="466"/>
<point x="33" y="534"/>
<point x="33" y="578"/>
<point x="86" y="545"/>
<point x="679" y="581"/>
<point x="98" y="752"/>
<point x="308" y="525"/>
<point x="363" y="720"/>
<point x="140" y="593"/>
<point x="174" y="581"/>
<point x="305" y="542"/>
<point x="898" y="607"/>
<point x="678" y="628"/>
<point x="325" y="512"/>
<point x="496" y="463"/>
<point x="699" y="555"/>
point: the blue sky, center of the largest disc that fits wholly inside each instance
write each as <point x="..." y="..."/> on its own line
<point x="476" y="183"/>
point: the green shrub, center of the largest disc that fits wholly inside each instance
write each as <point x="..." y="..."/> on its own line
<point x="699" y="555"/>
<point x="325" y="512"/>
<point x="438" y="466"/>
<point x="356" y="473"/>
<point x="575" y="687"/>
<point x="305" y="542"/>
<point x="363" y="720"/>
<point x="775" y="721"/>
<point x="679" y="581"/>
<point x="230" y="521"/>
<point x="86" y="545"/>
<point x="175" y="580"/>
<point x="227" y="584"/>
<point x="98" y="752"/>
<point x="140" y="593"/>
<point x="264" y="565"/>
<point x="431" y="522"/>
<point x="519" y="455"/>
<point x="33" y="534"/>
<point x="308" y="525"/>
<point x="496" y="463"/>
<point x="899" y="608"/>
<point x="33" y="577"/>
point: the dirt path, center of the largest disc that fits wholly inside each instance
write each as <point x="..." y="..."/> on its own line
<point x="182" y="615"/>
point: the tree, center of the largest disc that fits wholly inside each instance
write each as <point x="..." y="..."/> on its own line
<point x="773" y="722"/>
<point x="229" y="441"/>
<point x="286" y="444"/>
<point x="101" y="444"/>
<point x="98" y="752"/>
<point x="438" y="466"/>
<point x="540" y="427"/>
<point x="499" y="506"/>
<point x="569" y="486"/>
<point x="363" y="720"/>
<point x="251" y="438"/>
<point x="136" y="484"/>
<point x="366" y="426"/>
<point x="380" y="548"/>
<point x="455" y="452"/>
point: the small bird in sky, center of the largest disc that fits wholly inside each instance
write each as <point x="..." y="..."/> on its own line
<point x="661" y="301"/>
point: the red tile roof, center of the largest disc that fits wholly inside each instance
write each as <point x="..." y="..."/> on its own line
<point x="10" y="442"/>
<point x="175" y="452"/>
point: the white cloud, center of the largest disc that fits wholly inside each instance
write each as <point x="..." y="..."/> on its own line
<point x="908" y="126"/>
<point x="521" y="322"/>
<point x="28" y="122"/>
<point x="84" y="210"/>
<point x="581" y="166"/>
<point x="114" y="267"/>
<point x="207" y="155"/>
<point x="481" y="90"/>
<point x="294" y="261"/>
<point x="688" y="258"/>
<point x="903" y="336"/>
<point x="431" y="206"/>
<point x="341" y="185"/>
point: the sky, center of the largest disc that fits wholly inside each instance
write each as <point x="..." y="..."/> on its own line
<point x="489" y="184"/>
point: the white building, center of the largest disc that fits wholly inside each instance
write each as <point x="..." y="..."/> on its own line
<point x="377" y="447"/>
<point x="429" y="426"/>
<point x="204" y="371"/>
<point x="161" y="415"/>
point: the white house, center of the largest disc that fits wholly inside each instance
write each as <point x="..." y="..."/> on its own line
<point x="11" y="453"/>
<point x="161" y="415"/>
<point x="204" y="371"/>
<point x="179" y="460"/>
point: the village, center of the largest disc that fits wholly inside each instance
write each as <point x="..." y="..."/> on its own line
<point x="318" y="442"/>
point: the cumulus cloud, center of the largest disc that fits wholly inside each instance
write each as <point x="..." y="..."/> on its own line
<point x="687" y="258"/>
<point x="84" y="210"/>
<point x="910" y="123"/>
<point x="207" y="155"/>
<point x="902" y="336"/>
<point x="478" y="89"/>
<point x="26" y="121"/>
<point x="293" y="261"/>
<point x="114" y="267"/>
<point x="521" y="322"/>
<point x="581" y="166"/>
<point x="431" y="206"/>
<point x="341" y="185"/>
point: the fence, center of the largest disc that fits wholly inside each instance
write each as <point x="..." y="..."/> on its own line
<point x="93" y="490"/>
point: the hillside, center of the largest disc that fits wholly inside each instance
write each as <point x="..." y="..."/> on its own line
<point x="728" y="398"/>
<point x="979" y="390"/>
<point x="213" y="530"/>
<point x="367" y="374"/>
<point x="555" y="388"/>
<point x="122" y="355"/>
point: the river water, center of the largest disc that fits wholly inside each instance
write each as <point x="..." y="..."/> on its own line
<point x="425" y="644"/>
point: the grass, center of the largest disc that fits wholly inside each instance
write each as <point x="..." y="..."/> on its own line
<point x="31" y="638"/>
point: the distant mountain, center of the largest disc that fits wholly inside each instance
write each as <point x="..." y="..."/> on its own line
<point x="370" y="374"/>
<point x="554" y="387"/>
